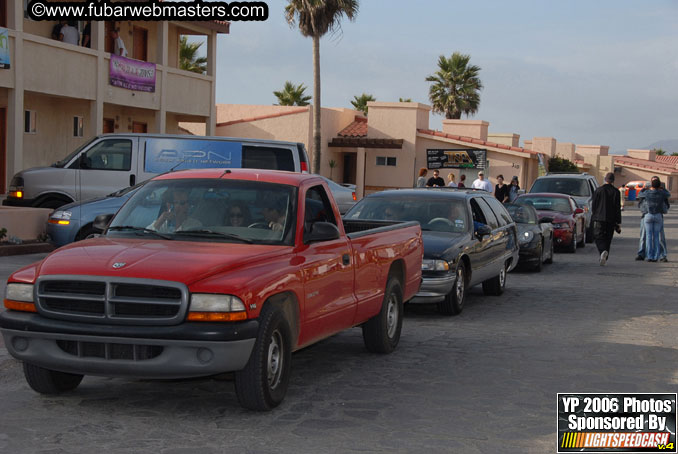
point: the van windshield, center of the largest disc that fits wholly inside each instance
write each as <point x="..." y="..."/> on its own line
<point x="67" y="159"/>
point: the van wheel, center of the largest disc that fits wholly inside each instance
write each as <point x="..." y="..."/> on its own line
<point x="85" y="232"/>
<point x="497" y="284"/>
<point x="47" y="381"/>
<point x="454" y="301"/>
<point x="52" y="203"/>
<point x="381" y="333"/>
<point x="263" y="383"/>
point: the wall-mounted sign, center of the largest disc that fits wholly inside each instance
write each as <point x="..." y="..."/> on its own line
<point x="4" y="48"/>
<point x="455" y="158"/>
<point x="132" y="74"/>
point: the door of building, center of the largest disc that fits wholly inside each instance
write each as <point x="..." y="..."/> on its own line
<point x="139" y="128"/>
<point x="3" y="13"/>
<point x="109" y="43"/>
<point x="3" y="148"/>
<point x="140" y="41"/>
<point x="349" y="168"/>
<point x="109" y="125"/>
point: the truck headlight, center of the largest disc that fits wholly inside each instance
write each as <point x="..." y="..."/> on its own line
<point x="208" y="307"/>
<point x="19" y="297"/>
<point x="526" y="237"/>
<point x="61" y="217"/>
<point x="16" y="187"/>
<point x="434" y="265"/>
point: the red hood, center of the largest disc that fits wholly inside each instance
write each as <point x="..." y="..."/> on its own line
<point x="180" y="261"/>
<point x="556" y="215"/>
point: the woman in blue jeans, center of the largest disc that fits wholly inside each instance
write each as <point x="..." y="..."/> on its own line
<point x="655" y="199"/>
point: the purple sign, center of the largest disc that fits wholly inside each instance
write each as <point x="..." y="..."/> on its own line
<point x="132" y="74"/>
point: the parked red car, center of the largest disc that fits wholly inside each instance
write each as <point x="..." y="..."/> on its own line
<point x="568" y="219"/>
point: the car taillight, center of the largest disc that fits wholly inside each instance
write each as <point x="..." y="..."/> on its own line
<point x="354" y="197"/>
<point x="304" y="166"/>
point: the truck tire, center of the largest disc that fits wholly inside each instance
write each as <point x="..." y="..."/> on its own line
<point x="381" y="333"/>
<point x="496" y="285"/>
<point x="263" y="383"/>
<point x="454" y="301"/>
<point x="47" y="381"/>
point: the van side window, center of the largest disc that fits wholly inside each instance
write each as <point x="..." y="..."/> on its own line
<point x="274" y="158"/>
<point x="318" y="208"/>
<point x="478" y="215"/>
<point x="487" y="211"/>
<point x="111" y="154"/>
<point x="500" y="212"/>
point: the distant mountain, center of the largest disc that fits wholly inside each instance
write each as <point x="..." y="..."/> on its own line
<point x="669" y="146"/>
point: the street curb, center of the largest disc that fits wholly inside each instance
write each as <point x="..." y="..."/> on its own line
<point x="30" y="248"/>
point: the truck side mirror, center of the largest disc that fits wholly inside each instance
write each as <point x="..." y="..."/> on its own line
<point x="84" y="162"/>
<point x="321" y="231"/>
<point x="101" y="222"/>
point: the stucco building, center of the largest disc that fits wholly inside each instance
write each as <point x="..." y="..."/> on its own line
<point x="55" y="96"/>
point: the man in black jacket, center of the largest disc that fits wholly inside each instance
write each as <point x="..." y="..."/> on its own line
<point x="606" y="216"/>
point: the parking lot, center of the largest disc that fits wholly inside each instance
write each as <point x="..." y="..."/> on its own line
<point x="485" y="381"/>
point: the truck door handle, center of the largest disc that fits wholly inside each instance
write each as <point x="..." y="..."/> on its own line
<point x="346" y="259"/>
<point x="132" y="180"/>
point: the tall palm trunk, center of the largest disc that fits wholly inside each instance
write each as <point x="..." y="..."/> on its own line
<point x="316" y="105"/>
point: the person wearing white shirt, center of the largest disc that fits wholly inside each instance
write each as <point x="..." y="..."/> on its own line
<point x="119" y="44"/>
<point x="482" y="183"/>
<point x="69" y="34"/>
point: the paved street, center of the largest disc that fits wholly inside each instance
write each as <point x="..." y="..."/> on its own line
<point x="485" y="381"/>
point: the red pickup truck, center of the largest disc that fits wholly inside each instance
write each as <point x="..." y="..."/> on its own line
<point x="210" y="271"/>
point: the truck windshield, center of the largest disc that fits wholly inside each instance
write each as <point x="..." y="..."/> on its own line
<point x="210" y="210"/>
<point x="68" y="158"/>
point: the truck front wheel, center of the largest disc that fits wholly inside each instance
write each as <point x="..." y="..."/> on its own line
<point x="47" y="381"/>
<point x="381" y="333"/>
<point x="263" y="383"/>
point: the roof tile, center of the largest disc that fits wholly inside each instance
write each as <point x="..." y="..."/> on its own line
<point x="358" y="128"/>
<point x="471" y="140"/>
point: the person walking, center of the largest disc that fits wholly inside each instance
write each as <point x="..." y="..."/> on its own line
<point x="656" y="204"/>
<point x="421" y="180"/>
<point x="482" y="183"/>
<point x="663" y="255"/>
<point x="514" y="187"/>
<point x="435" y="180"/>
<point x="462" y="181"/>
<point x="450" y="181"/>
<point x="501" y="190"/>
<point x="606" y="216"/>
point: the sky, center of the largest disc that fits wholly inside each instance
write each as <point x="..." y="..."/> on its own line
<point x="588" y="72"/>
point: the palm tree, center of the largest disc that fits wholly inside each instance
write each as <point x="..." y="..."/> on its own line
<point x="292" y="95"/>
<point x="404" y="99"/>
<point x="360" y="102"/>
<point x="315" y="19"/>
<point x="456" y="86"/>
<point x="188" y="59"/>
<point x="659" y="152"/>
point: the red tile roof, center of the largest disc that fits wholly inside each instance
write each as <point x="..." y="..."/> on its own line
<point x="645" y="164"/>
<point x="670" y="160"/>
<point x="473" y="141"/>
<point x="264" y="117"/>
<point x="356" y="129"/>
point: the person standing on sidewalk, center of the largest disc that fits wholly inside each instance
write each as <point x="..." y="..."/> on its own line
<point x="514" y="187"/>
<point x="663" y="256"/>
<point x="656" y="204"/>
<point x="606" y="216"/>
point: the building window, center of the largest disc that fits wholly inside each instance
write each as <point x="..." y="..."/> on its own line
<point x="78" y="126"/>
<point x="30" y="117"/>
<point x="386" y="161"/>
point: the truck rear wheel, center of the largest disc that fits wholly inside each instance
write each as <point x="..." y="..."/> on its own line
<point x="263" y="383"/>
<point x="381" y="333"/>
<point x="47" y="381"/>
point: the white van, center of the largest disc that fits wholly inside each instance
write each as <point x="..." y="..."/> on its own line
<point x="111" y="162"/>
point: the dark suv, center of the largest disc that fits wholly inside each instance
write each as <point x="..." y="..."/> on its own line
<point x="578" y="185"/>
